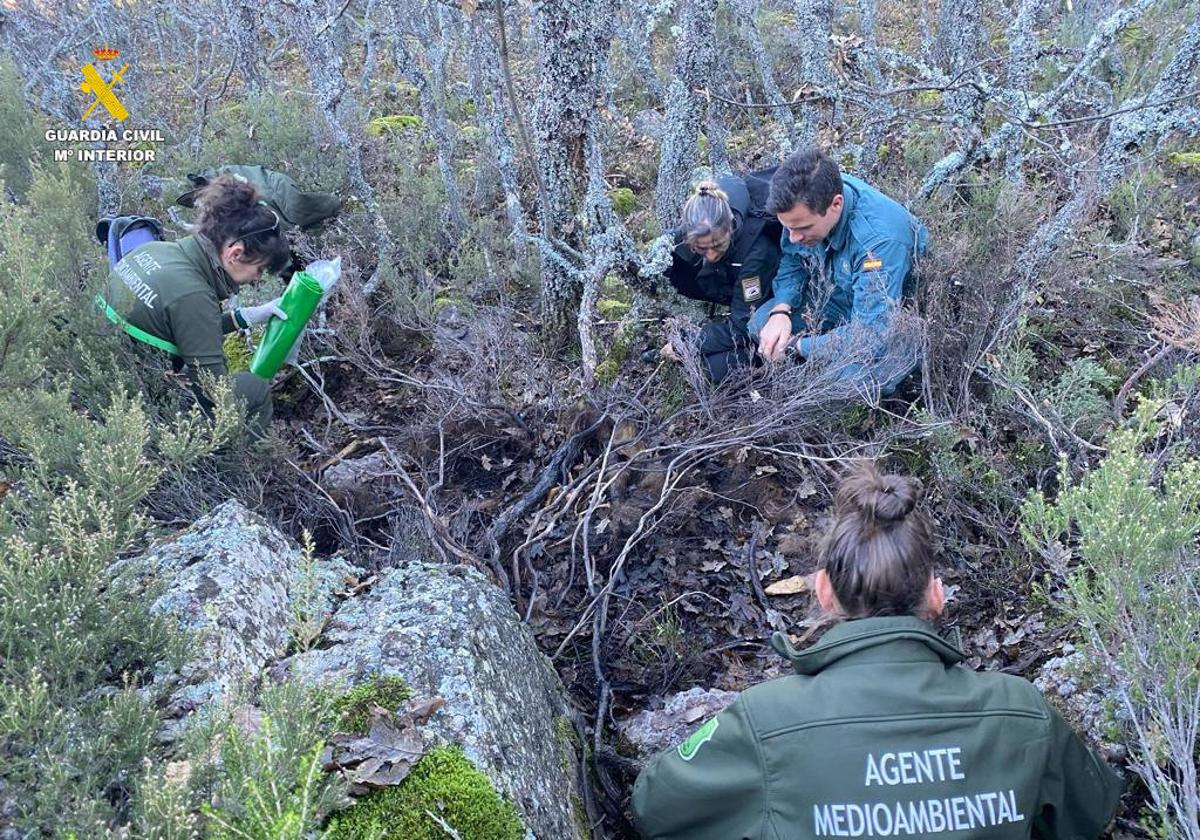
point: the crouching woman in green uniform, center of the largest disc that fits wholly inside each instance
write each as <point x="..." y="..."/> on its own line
<point x="169" y="294"/>
<point x="880" y="732"/>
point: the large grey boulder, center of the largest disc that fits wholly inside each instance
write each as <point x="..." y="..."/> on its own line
<point x="651" y="731"/>
<point x="448" y="631"/>
<point x="233" y="583"/>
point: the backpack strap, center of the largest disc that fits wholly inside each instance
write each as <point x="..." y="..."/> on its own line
<point x="136" y="332"/>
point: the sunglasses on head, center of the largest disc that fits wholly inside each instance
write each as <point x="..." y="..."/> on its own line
<point x="272" y="227"/>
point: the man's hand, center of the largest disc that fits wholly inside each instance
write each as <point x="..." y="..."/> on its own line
<point x="261" y="314"/>
<point x="773" y="337"/>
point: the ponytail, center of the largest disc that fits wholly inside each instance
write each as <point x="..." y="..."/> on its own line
<point x="707" y="213"/>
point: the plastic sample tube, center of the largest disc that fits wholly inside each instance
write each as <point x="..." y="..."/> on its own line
<point x="299" y="301"/>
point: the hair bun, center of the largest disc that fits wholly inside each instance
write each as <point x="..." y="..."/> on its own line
<point x="884" y="498"/>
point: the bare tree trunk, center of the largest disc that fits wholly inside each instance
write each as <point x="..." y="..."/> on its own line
<point x="1129" y="135"/>
<point x="785" y="123"/>
<point x="1022" y="54"/>
<point x="573" y="36"/>
<point x="814" y="18"/>
<point x="245" y="24"/>
<point x="311" y="31"/>
<point x="636" y="21"/>
<point x="487" y="77"/>
<point x="878" y="120"/>
<point x="436" y="33"/>
<point x="960" y="38"/>
<point x="695" y="69"/>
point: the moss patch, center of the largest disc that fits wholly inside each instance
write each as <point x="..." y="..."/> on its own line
<point x="237" y="354"/>
<point x="1186" y="160"/>
<point x="623" y="201"/>
<point x="444" y="783"/>
<point x="611" y="308"/>
<point x="395" y="122"/>
<point x="352" y="711"/>
<point x="442" y="301"/>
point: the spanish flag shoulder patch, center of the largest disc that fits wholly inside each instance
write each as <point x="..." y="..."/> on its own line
<point x="872" y="264"/>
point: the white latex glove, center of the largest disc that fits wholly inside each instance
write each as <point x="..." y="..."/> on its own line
<point x="261" y="314"/>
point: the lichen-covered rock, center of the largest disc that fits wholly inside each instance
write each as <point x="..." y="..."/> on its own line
<point x="448" y="631"/>
<point x="1086" y="708"/>
<point x="230" y="580"/>
<point x="654" y="730"/>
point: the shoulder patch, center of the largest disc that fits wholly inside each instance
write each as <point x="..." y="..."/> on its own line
<point x="872" y="264"/>
<point x="689" y="748"/>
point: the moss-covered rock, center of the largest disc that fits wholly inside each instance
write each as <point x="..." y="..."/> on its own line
<point x="444" y="783"/>
<point x="352" y="711"/>
<point x="450" y="632"/>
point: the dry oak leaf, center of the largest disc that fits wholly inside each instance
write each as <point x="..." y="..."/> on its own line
<point x="793" y="585"/>
<point x="386" y="754"/>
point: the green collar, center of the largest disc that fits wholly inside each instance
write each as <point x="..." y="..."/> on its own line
<point x="201" y="252"/>
<point x="864" y="634"/>
<point x="836" y="241"/>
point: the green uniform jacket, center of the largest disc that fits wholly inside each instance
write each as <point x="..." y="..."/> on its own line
<point x="879" y="734"/>
<point x="174" y="290"/>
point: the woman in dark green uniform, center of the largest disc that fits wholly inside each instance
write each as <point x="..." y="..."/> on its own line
<point x="169" y="295"/>
<point x="880" y="732"/>
<point x="727" y="252"/>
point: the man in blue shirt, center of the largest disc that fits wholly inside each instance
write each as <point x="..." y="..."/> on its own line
<point x="847" y="251"/>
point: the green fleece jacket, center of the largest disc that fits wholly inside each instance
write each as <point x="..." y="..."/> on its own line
<point x="880" y="733"/>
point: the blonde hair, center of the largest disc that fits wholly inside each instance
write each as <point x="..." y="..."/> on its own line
<point x="707" y="213"/>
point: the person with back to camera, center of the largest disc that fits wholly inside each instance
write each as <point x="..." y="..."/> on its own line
<point x="169" y="294"/>
<point x="880" y="732"/>
<point x="726" y="251"/>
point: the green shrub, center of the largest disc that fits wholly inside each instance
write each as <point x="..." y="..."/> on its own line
<point x="1133" y="594"/>
<point x="20" y="135"/>
<point x="444" y="784"/>
<point x="264" y="783"/>
<point x="1081" y="396"/>
<point x="280" y="130"/>
<point x="76" y="647"/>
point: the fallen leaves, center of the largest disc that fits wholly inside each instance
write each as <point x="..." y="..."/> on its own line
<point x="793" y="585"/>
<point x="356" y="586"/>
<point x="387" y="753"/>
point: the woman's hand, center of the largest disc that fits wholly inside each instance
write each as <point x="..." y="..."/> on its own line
<point x="252" y="315"/>
<point x="774" y="336"/>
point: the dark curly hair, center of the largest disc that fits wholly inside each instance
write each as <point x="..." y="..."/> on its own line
<point x="810" y="178"/>
<point x="232" y="211"/>
<point x="879" y="555"/>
